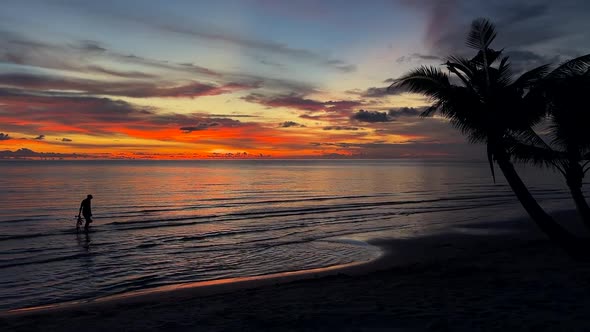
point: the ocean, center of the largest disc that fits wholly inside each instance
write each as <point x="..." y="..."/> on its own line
<point x="159" y="223"/>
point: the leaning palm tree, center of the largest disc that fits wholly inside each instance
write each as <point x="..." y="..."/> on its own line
<point x="489" y="107"/>
<point x="563" y="93"/>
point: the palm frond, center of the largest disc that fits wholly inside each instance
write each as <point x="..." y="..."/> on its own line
<point x="569" y="127"/>
<point x="531" y="77"/>
<point x="576" y="66"/>
<point x="428" y="112"/>
<point x="466" y="66"/>
<point x="427" y="80"/>
<point x="490" y="56"/>
<point x="569" y="113"/>
<point x="504" y="72"/>
<point x="537" y="155"/>
<point x="488" y="106"/>
<point x="462" y="70"/>
<point x="481" y="35"/>
<point x="530" y="137"/>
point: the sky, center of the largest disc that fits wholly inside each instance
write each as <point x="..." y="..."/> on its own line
<point x="146" y="79"/>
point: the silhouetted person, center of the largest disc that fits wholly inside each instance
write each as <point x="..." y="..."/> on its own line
<point x="86" y="211"/>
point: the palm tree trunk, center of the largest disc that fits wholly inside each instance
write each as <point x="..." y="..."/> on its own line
<point x="544" y="221"/>
<point x="581" y="204"/>
<point x="574" y="176"/>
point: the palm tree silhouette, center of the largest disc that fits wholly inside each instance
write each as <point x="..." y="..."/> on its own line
<point x="489" y="107"/>
<point x="563" y="93"/>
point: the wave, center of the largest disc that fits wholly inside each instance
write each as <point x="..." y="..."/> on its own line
<point x="410" y="206"/>
<point x="48" y="260"/>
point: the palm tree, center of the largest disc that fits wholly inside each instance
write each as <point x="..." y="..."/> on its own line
<point x="489" y="107"/>
<point x="563" y="93"/>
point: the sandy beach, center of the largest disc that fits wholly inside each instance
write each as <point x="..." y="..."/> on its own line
<point x="504" y="276"/>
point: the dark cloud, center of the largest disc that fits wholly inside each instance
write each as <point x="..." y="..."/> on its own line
<point x="370" y="116"/>
<point x="4" y="137"/>
<point x="339" y="144"/>
<point x="271" y="63"/>
<point x="159" y="64"/>
<point x="376" y="92"/>
<point x="391" y="115"/>
<point x="199" y="127"/>
<point x="82" y="57"/>
<point x="527" y="56"/>
<point x="126" y="89"/>
<point x="218" y="34"/>
<point x="66" y="140"/>
<point x="284" y="86"/>
<point x="18" y="50"/>
<point x="194" y="89"/>
<point x="196" y="121"/>
<point x="232" y="115"/>
<point x="90" y="46"/>
<point x="78" y="57"/>
<point x="544" y="27"/>
<point x="289" y="124"/>
<point x="405" y="111"/>
<point x="523" y="11"/>
<point x="117" y="73"/>
<point x="300" y="102"/>
<point x="342" y="105"/>
<point x="202" y="122"/>
<point x="290" y="101"/>
<point x="18" y="100"/>
<point x="440" y="15"/>
<point x="526" y="60"/>
<point x="341" y="128"/>
<point x="56" y="114"/>
<point x="417" y="57"/>
<point x="77" y="112"/>
<point x="40" y="137"/>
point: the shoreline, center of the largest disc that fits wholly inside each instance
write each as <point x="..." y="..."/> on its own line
<point x="191" y="289"/>
<point x="206" y="287"/>
<point x="225" y="285"/>
<point x="505" y="274"/>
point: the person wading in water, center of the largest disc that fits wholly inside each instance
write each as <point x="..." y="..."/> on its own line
<point x="86" y="211"/>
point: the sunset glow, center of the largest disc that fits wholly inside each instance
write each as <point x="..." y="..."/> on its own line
<point x="246" y="79"/>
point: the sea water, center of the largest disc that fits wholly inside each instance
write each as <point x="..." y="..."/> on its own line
<point x="158" y="223"/>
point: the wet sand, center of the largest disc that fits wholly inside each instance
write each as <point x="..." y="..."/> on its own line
<point x="503" y="276"/>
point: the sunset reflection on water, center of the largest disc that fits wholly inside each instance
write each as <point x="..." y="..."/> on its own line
<point x="168" y="222"/>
